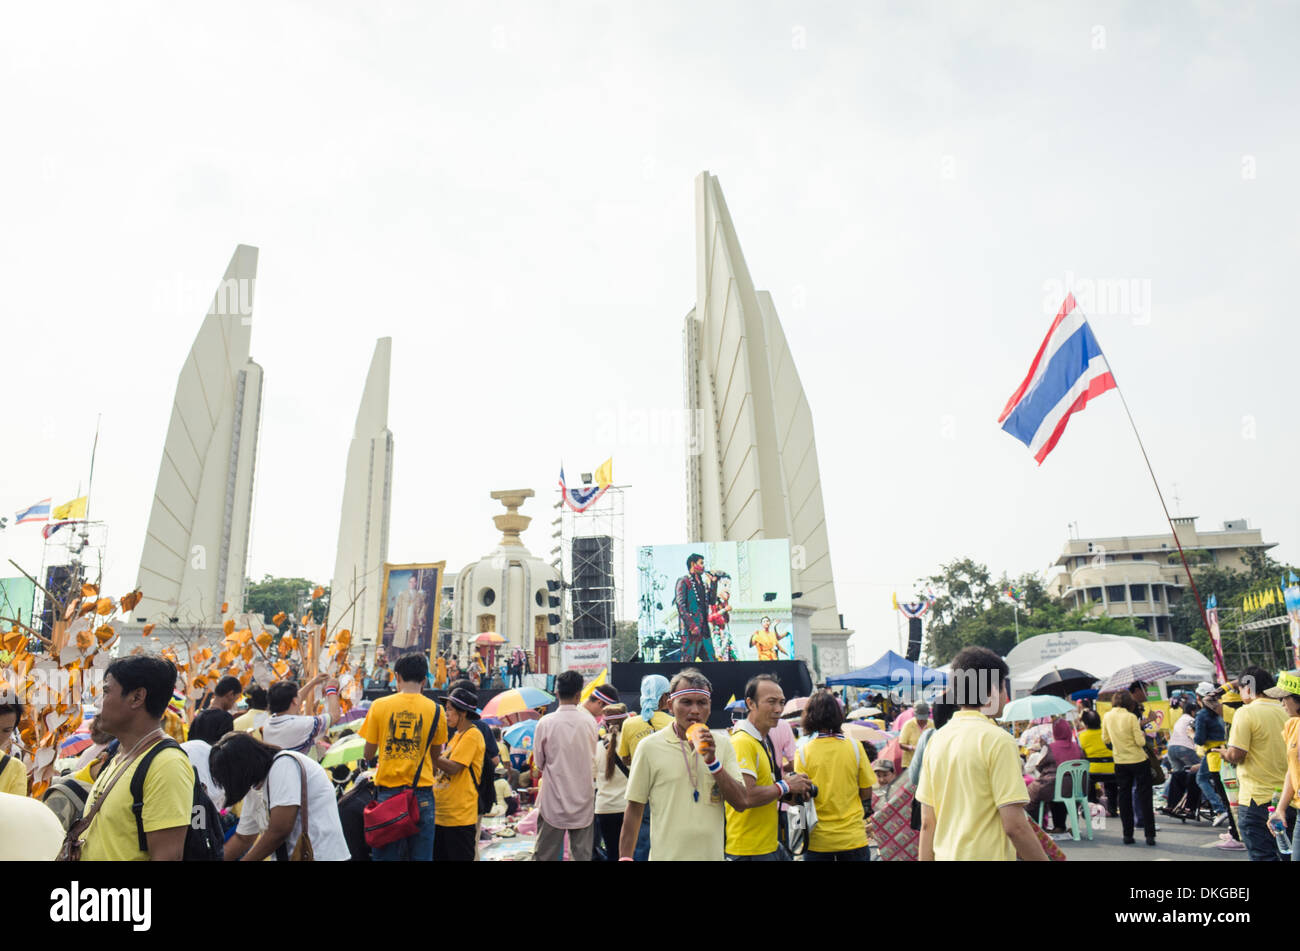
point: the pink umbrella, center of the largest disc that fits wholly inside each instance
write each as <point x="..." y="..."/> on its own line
<point x="794" y="705"/>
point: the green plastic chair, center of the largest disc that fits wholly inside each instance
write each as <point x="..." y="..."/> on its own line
<point x="1077" y="771"/>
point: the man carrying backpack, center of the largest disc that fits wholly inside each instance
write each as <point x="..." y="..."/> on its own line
<point x="135" y="696"/>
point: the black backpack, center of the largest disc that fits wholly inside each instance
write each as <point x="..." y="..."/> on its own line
<point x="352" y="807"/>
<point x="203" y="844"/>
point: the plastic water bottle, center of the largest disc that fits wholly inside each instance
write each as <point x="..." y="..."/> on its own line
<point x="1278" y="828"/>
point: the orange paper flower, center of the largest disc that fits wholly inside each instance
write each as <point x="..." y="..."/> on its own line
<point x="264" y="640"/>
<point x="89" y="591"/>
<point x="229" y="627"/>
<point x="279" y="619"/>
<point x="147" y="630"/>
<point x="129" y="601"/>
<point x="104" y="607"/>
<point x="317" y="592"/>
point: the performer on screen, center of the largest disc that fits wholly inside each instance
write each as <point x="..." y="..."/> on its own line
<point x="767" y="642"/>
<point x="692" y="599"/>
<point x="720" y="614"/>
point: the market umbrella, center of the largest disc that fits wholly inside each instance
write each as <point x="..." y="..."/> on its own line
<point x="859" y="731"/>
<point x="794" y="705"/>
<point x="489" y="639"/>
<point x="346" y="750"/>
<point x="1148" y="672"/>
<point x="1033" y="707"/>
<point x="517" y="700"/>
<point x="520" y="736"/>
<point x="75" y="744"/>
<point x="510" y="719"/>
<point x="1064" y="681"/>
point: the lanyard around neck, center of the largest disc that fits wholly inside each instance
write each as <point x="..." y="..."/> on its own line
<point x="690" y="764"/>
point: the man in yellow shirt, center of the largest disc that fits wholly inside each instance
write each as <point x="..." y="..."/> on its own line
<point x="752" y="832"/>
<point x="685" y="781"/>
<point x="13" y="774"/>
<point x="455" y="789"/>
<point x="972" y="792"/>
<point x="406" y="729"/>
<point x="910" y="735"/>
<point x="1288" y="692"/>
<point x="135" y="696"/>
<point x="1257" y="748"/>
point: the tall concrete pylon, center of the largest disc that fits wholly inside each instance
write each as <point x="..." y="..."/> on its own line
<point x="751" y="466"/>
<point x="196" y="546"/>
<point x="367" y="504"/>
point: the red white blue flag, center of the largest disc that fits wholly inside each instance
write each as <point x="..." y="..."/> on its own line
<point x="1068" y="371"/>
<point x="583" y="498"/>
<point x="40" y="512"/>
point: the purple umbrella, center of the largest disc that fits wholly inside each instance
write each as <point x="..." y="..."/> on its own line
<point x="1147" y="672"/>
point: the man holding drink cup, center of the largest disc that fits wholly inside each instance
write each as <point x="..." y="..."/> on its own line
<point x="685" y="773"/>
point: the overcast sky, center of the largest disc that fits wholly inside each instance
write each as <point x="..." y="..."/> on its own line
<point x="507" y="190"/>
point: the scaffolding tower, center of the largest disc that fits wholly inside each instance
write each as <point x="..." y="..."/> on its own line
<point x="589" y="558"/>
<point x="72" y="556"/>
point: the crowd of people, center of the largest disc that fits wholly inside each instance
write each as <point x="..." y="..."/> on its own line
<point x="242" y="780"/>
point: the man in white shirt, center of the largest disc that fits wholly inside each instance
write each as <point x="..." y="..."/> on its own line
<point x="289" y="730"/>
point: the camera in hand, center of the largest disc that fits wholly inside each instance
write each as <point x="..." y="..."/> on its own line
<point x="796" y="798"/>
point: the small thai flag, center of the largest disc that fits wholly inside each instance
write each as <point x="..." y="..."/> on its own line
<point x="40" y="512"/>
<point x="1068" y="371"/>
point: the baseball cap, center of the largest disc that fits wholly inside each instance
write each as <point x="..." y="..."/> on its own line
<point x="1288" y="681"/>
<point x="882" y="765"/>
<point x="1204" y="688"/>
<point x="922" y="709"/>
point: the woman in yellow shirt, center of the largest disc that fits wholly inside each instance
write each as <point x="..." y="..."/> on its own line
<point x="1122" y="732"/>
<point x="1101" y="765"/>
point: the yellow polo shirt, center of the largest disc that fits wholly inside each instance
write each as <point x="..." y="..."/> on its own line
<point x="752" y="832"/>
<point x="909" y="735"/>
<point x="14" y="778"/>
<point x="1291" y="736"/>
<point x="970" y="770"/>
<point x="1123" y="731"/>
<point x="168" y="803"/>
<point x="1257" y="729"/>
<point x="839" y="775"/>
<point x="636" y="729"/>
<point x="1094" y="747"/>
<point x="682" y="828"/>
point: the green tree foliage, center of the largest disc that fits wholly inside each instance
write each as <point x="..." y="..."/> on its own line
<point x="270" y="596"/>
<point x="969" y="610"/>
<point x="625" y="642"/>
<point x="1269" y="646"/>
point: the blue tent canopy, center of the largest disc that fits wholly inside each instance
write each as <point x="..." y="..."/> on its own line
<point x="893" y="672"/>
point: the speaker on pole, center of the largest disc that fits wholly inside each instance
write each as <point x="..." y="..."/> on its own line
<point x="914" y="638"/>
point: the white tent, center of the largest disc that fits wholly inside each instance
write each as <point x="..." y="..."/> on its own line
<point x="1103" y="657"/>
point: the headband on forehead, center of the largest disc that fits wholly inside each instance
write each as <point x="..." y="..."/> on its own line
<point x="616" y="716"/>
<point x="606" y="693"/>
<point x="689" y="690"/>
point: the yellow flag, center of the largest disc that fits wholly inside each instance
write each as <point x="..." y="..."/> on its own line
<point x="596" y="682"/>
<point x="74" y="509"/>
<point x="605" y="474"/>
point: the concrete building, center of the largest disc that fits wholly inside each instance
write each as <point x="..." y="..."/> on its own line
<point x="367" y="503"/>
<point x="751" y="469"/>
<point x="1141" y="576"/>
<point x="196" y="546"/>
<point x="506" y="591"/>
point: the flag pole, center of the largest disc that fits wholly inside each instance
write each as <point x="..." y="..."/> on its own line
<point x="94" y="447"/>
<point x="1145" y="458"/>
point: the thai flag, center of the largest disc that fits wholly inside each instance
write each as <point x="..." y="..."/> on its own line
<point x="1068" y="371"/>
<point x="580" y="499"/>
<point x="40" y="512"/>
